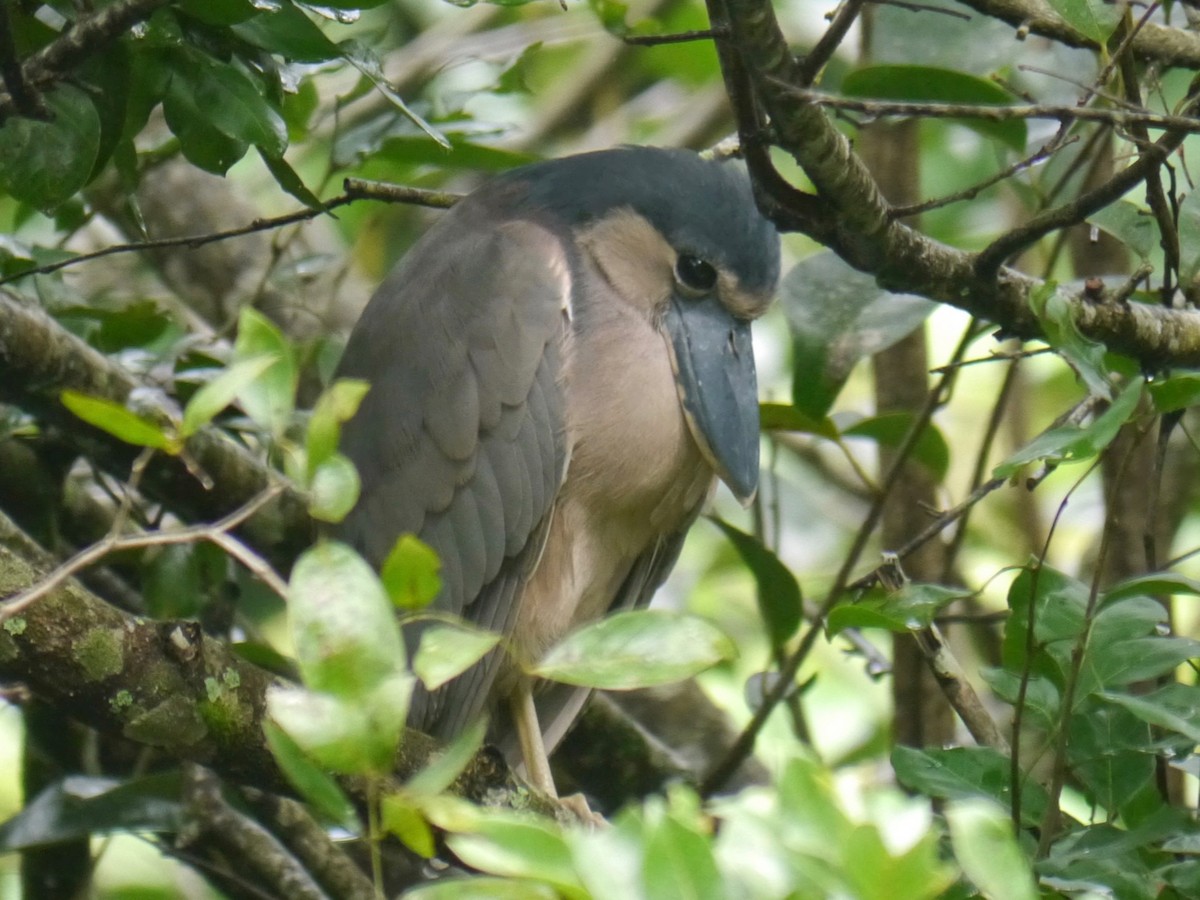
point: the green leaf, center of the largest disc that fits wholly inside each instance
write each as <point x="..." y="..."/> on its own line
<point x="1058" y="612"/>
<point x="202" y="142"/>
<point x="1094" y="19"/>
<point x="986" y="848"/>
<point x="411" y="573"/>
<point x="1106" y="753"/>
<point x="1175" y="707"/>
<point x="611" y="14"/>
<point x="927" y="84"/>
<point x="337" y="404"/>
<point x="1075" y="443"/>
<point x="344" y="629"/>
<point x="481" y="888"/>
<point x="446" y="651"/>
<point x="1130" y="224"/>
<point x="121" y="423"/>
<point x="270" y="398"/>
<point x="404" y="820"/>
<point x="513" y="80"/>
<point x="219" y="12"/>
<point x="1054" y="310"/>
<point x="1189" y="237"/>
<point x="440" y="773"/>
<point x="890" y="430"/>
<point x="234" y="104"/>
<point x="636" y="649"/>
<point x="838" y="316"/>
<point x="779" y="601"/>
<point x="288" y="32"/>
<point x="352" y="735"/>
<point x="320" y="790"/>
<point x="79" y="806"/>
<point x="1179" y="391"/>
<point x="46" y="163"/>
<point x="678" y="861"/>
<point x="333" y="490"/>
<point x="782" y="417"/>
<point x="961" y="773"/>
<point x="285" y="176"/>
<point x="364" y="59"/>
<point x="911" y="608"/>
<point x="217" y="394"/>
<point x="1140" y="659"/>
<point x="1156" y="584"/>
<point x="519" y="847"/>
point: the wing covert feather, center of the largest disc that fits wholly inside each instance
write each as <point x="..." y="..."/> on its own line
<point x="461" y="438"/>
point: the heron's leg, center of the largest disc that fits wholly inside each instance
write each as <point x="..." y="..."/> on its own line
<point x="529" y="736"/>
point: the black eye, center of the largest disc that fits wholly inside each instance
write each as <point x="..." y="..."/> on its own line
<point x="695" y="274"/>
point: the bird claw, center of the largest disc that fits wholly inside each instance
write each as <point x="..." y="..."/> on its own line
<point x="577" y="806"/>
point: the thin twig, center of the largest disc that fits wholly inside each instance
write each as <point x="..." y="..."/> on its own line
<point x="742" y="747"/>
<point x="814" y="61"/>
<point x="1117" y="118"/>
<point x="83" y="38"/>
<point x="682" y="37"/>
<point x="216" y="533"/>
<point x="355" y="189"/>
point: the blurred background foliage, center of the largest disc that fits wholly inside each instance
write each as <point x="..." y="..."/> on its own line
<point x="199" y="117"/>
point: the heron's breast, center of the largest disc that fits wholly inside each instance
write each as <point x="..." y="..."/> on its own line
<point x="635" y="476"/>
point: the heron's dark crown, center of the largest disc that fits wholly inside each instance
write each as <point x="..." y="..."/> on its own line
<point x="701" y="207"/>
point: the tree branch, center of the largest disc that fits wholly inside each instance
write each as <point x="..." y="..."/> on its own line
<point x="1152" y="43"/>
<point x="861" y="229"/>
<point x="82" y="38"/>
<point x="39" y="359"/>
<point x="168" y="685"/>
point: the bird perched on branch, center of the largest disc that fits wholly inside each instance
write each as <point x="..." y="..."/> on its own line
<point x="560" y="370"/>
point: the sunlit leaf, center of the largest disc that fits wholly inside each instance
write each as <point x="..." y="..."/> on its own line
<point x="636" y="649"/>
<point x="217" y="394"/>
<point x="343" y="626"/>
<point x="353" y="735"/>
<point x="317" y="787"/>
<point x="270" y="398"/>
<point x="439" y="774"/>
<point x="519" y="847"/>
<point x="986" y="848"/>
<point x="337" y="404"/>
<point x="367" y="62"/>
<point x="121" y="423"/>
<point x="446" y="651"/>
<point x="333" y="490"/>
<point x="404" y="820"/>
<point x="411" y="573"/>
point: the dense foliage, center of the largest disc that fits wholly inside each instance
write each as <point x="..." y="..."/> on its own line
<point x="947" y="651"/>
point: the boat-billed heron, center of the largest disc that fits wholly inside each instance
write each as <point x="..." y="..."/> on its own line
<point x="560" y="370"/>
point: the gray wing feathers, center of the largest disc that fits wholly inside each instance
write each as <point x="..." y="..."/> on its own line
<point x="461" y="437"/>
